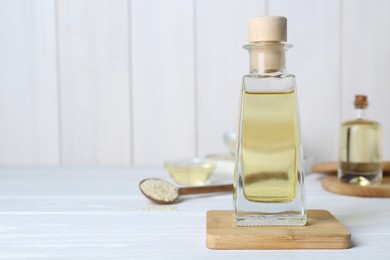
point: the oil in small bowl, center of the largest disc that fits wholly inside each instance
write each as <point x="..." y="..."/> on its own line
<point x="190" y="172"/>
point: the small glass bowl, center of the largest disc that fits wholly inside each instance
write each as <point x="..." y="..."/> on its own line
<point x="190" y="172"/>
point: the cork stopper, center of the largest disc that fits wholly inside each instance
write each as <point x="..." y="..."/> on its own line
<point x="268" y="29"/>
<point x="361" y="101"/>
<point x="267" y="50"/>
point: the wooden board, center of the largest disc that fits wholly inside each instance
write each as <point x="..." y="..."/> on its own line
<point x="331" y="167"/>
<point x="333" y="184"/>
<point x="322" y="231"/>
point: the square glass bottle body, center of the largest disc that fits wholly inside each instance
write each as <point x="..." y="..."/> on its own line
<point x="269" y="177"/>
<point x="360" y="152"/>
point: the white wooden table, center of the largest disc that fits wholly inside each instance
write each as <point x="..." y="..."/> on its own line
<point x="98" y="213"/>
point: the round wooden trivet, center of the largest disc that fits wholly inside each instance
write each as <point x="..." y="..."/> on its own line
<point x="333" y="184"/>
<point x="331" y="167"/>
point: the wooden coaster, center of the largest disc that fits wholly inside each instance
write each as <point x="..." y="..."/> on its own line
<point x="322" y="231"/>
<point x="333" y="184"/>
<point x="331" y="168"/>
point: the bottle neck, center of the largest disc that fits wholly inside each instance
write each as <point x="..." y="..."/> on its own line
<point x="267" y="58"/>
<point x="361" y="113"/>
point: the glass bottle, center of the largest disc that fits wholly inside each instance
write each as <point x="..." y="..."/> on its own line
<point x="269" y="174"/>
<point x="360" y="148"/>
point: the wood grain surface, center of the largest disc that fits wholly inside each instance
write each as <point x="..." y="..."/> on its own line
<point x="99" y="213"/>
<point x="322" y="231"/>
<point x="331" y="167"/>
<point x="333" y="184"/>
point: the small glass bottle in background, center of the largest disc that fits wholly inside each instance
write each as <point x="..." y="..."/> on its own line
<point x="360" y="148"/>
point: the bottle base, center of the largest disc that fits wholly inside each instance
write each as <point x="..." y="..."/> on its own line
<point x="267" y="219"/>
<point x="361" y="179"/>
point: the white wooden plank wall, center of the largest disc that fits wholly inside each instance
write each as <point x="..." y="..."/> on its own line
<point x="135" y="82"/>
<point x="313" y="29"/>
<point x="366" y="60"/>
<point x="94" y="81"/>
<point x="221" y="63"/>
<point x="162" y="34"/>
<point x="29" y="132"/>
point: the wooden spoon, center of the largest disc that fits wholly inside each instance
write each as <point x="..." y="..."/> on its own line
<point x="162" y="192"/>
